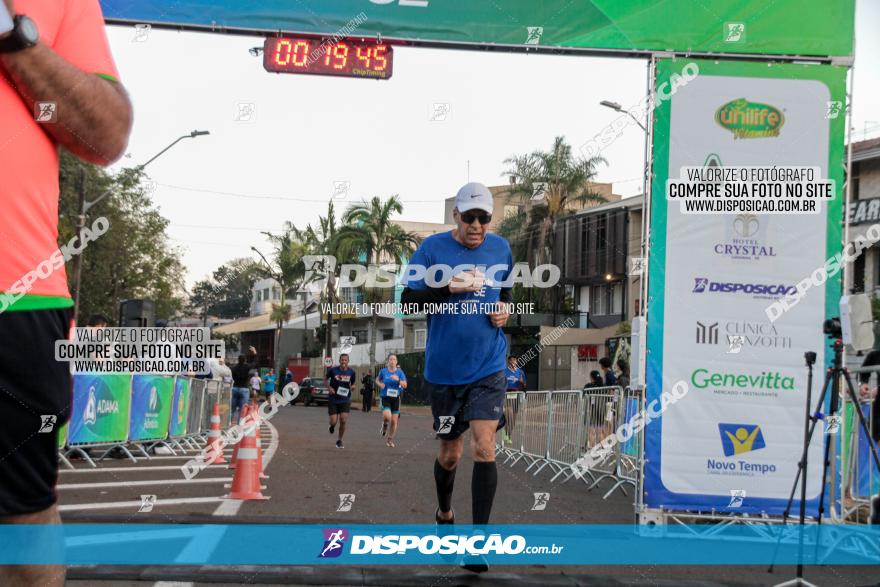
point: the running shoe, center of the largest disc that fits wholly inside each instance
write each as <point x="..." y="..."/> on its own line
<point x="332" y="429"/>
<point x="441" y="521"/>
<point x="384" y="428"/>
<point x="389" y="443"/>
<point x="339" y="444"/>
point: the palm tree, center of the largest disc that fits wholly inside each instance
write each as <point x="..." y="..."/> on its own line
<point x="288" y="270"/>
<point x="565" y="179"/>
<point x="322" y="240"/>
<point x="371" y="235"/>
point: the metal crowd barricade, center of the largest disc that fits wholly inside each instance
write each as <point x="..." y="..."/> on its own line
<point x="859" y="477"/>
<point x="629" y="452"/>
<point x="565" y="430"/>
<point x="599" y="416"/>
<point x="555" y="429"/>
<point x="225" y="405"/>
<point x="533" y="422"/>
<point x="196" y="407"/>
<point x="509" y="439"/>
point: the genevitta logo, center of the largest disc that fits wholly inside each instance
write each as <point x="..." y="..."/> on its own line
<point x="334" y="542"/>
<point x="770" y="291"/>
<point x="765" y="383"/>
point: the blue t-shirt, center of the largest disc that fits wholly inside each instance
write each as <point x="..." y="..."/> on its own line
<point x="464" y="347"/>
<point x="391" y="385"/>
<point x="513" y="377"/>
<point x="610" y="378"/>
<point x="341" y="380"/>
<point x="269" y="381"/>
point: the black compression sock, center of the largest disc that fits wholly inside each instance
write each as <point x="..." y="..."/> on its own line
<point x="444" y="480"/>
<point x="483" y="484"/>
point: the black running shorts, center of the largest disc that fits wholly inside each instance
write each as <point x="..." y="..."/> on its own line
<point x="35" y="398"/>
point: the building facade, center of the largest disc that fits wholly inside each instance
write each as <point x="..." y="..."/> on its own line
<point x="863" y="211"/>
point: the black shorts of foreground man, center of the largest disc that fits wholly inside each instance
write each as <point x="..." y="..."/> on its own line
<point x="58" y="87"/>
<point x="465" y="352"/>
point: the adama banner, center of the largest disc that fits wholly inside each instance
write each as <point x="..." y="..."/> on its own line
<point x="781" y="27"/>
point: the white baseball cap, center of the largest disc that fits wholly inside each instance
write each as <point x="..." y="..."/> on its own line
<point x="474" y="196"/>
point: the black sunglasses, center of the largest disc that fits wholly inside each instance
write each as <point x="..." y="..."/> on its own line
<point x="469" y="217"/>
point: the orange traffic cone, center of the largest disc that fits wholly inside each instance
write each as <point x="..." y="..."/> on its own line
<point x="246" y="481"/>
<point x="214" y="437"/>
<point x="244" y="412"/>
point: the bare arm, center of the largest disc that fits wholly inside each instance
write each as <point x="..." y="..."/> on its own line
<point x="93" y="114"/>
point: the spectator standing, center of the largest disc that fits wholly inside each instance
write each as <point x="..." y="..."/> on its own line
<point x="623" y="375"/>
<point x="269" y="383"/>
<point x="607" y="371"/>
<point x="367" y="392"/>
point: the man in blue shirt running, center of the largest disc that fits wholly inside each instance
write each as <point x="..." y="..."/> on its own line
<point x="340" y="383"/>
<point x="466" y="348"/>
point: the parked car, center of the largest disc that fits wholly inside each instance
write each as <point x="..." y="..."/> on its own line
<point x="312" y="391"/>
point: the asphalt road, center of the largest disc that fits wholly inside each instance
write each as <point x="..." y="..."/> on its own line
<point x="391" y="486"/>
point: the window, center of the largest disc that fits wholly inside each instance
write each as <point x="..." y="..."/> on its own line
<point x="387" y="333"/>
<point x="421" y="339"/>
<point x="616" y="298"/>
<point x="276" y="293"/>
<point x="601" y="243"/>
<point x="598" y="300"/>
<point x="266" y="294"/>
<point x="257" y="295"/>
<point x="606" y="300"/>
<point x="511" y="210"/>
<point x="360" y="336"/>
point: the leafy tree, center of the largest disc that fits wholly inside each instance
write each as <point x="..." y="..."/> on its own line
<point x="288" y="270"/>
<point x="227" y="293"/>
<point x="133" y="259"/>
<point x="566" y="180"/>
<point x="372" y="235"/>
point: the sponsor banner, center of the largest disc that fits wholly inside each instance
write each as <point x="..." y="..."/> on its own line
<point x="746" y="26"/>
<point x="151" y="400"/>
<point x="733" y="444"/>
<point x="180" y="406"/>
<point x="194" y="544"/>
<point x="100" y="408"/>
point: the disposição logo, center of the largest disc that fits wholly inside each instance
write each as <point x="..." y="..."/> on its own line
<point x="750" y="120"/>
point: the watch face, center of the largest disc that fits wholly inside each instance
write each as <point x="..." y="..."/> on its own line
<point x="28" y="31"/>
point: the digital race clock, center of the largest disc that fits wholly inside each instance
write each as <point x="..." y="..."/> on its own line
<point x="347" y="58"/>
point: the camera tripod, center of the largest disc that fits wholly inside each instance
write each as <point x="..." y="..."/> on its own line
<point x="833" y="376"/>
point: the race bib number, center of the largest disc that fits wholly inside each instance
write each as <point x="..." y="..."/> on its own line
<point x="392" y="392"/>
<point x="342" y="391"/>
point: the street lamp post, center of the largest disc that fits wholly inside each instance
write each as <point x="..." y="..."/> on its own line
<point x="617" y="107"/>
<point x="280" y="279"/>
<point x="86" y="206"/>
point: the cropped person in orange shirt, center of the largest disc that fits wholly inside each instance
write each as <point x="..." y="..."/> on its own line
<point x="59" y="88"/>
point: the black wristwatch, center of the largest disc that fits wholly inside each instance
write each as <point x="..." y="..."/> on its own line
<point x="24" y="35"/>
